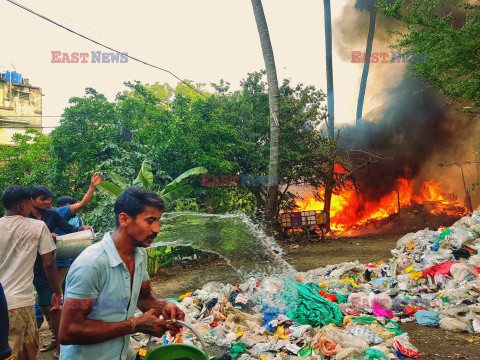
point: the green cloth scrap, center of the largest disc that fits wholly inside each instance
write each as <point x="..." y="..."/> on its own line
<point x="374" y="354"/>
<point x="313" y="309"/>
<point x="448" y="231"/>
<point x="305" y="352"/>
<point x="369" y="320"/>
<point x="238" y="349"/>
<point x="174" y="299"/>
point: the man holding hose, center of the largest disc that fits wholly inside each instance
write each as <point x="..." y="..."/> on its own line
<point x="108" y="281"/>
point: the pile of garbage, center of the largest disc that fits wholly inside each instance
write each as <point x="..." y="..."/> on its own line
<point x="344" y="311"/>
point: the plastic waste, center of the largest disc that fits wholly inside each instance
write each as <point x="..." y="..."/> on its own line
<point x="373" y="354"/>
<point x="455" y="325"/>
<point x="327" y="346"/>
<point x="462" y="271"/>
<point x="345" y="339"/>
<point x="402" y="345"/>
<point x="305" y="352"/>
<point x="238" y="349"/>
<point x="379" y="311"/>
<point x="314" y="309"/>
<point x="427" y="318"/>
<point x="367" y="334"/>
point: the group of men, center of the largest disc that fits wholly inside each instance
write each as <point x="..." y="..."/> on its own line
<point x="94" y="316"/>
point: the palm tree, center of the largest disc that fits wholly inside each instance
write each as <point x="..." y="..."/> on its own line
<point x="330" y="102"/>
<point x="368" y="5"/>
<point x="271" y="210"/>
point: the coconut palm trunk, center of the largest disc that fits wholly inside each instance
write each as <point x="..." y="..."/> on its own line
<point x="330" y="101"/>
<point x="271" y="211"/>
<point x="366" y="65"/>
<point x="328" y="53"/>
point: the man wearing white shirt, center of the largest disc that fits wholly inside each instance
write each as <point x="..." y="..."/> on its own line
<point x="21" y="238"/>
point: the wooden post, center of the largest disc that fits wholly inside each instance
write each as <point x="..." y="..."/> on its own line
<point x="398" y="196"/>
<point x="468" y="199"/>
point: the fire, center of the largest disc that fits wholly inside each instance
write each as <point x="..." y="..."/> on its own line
<point x="349" y="210"/>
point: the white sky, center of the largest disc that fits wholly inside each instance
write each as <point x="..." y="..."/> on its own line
<point x="203" y="41"/>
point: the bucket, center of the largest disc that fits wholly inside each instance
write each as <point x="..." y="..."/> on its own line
<point x="178" y="351"/>
<point x="69" y="246"/>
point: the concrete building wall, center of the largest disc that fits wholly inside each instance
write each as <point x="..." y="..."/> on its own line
<point x="20" y="107"/>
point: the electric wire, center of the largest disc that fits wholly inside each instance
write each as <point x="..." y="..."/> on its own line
<point x="105" y="46"/>
<point x="8" y="126"/>
<point x="39" y="115"/>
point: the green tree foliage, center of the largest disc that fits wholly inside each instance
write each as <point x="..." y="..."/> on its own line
<point x="27" y="163"/>
<point x="452" y="45"/>
<point x="89" y="128"/>
<point x="226" y="132"/>
<point x="172" y="192"/>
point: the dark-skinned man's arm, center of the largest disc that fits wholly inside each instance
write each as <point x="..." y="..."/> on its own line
<point x="95" y="181"/>
<point x="147" y="300"/>
<point x="51" y="271"/>
<point x="77" y="329"/>
<point x="63" y="225"/>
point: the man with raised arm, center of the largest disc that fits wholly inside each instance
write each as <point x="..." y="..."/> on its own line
<point x="68" y="208"/>
<point x="41" y="210"/>
<point x="21" y="239"/>
<point x="109" y="281"/>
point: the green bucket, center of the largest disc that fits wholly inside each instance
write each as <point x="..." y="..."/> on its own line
<point x="178" y="351"/>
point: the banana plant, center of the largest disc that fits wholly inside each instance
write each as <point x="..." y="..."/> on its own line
<point x="172" y="192"/>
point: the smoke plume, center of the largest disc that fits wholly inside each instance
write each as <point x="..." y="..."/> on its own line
<point x="410" y="128"/>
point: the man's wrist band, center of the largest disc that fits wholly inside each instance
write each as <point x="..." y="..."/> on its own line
<point x="133" y="322"/>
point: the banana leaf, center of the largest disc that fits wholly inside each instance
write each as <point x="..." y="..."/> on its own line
<point x="179" y="180"/>
<point x="109" y="189"/>
<point x="174" y="195"/>
<point x="145" y="176"/>
<point x="119" y="180"/>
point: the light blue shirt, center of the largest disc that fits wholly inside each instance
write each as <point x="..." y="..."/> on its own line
<point x="100" y="274"/>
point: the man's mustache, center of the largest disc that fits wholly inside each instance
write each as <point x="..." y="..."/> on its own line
<point x="152" y="236"/>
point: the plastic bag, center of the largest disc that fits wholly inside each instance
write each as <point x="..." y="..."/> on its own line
<point x="382" y="283"/>
<point x="384" y="333"/>
<point x="405" y="240"/>
<point x="403" y="346"/>
<point x="379" y="311"/>
<point x="348" y="354"/>
<point x="374" y="354"/>
<point x="462" y="271"/>
<point x="427" y="318"/>
<point x="455" y="325"/>
<point x="326" y="345"/>
<point x="258" y="349"/>
<point x="298" y="331"/>
<point x="238" y="349"/>
<point x="345" y="339"/>
<point x="476" y="324"/>
<point x="360" y="301"/>
<point x="367" y="334"/>
<point x="458" y="236"/>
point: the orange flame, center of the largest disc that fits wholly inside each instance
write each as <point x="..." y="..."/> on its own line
<point x="349" y="210"/>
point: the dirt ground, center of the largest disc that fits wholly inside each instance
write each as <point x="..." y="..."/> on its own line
<point x="433" y="343"/>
